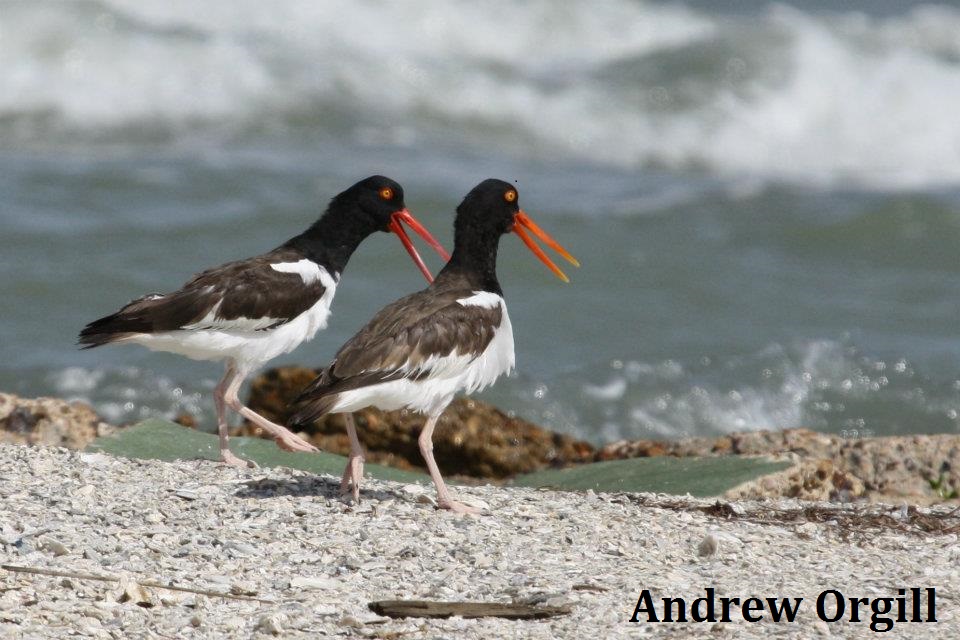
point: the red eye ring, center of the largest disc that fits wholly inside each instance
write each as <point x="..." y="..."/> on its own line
<point x="510" y="196"/>
<point x="386" y="193"/>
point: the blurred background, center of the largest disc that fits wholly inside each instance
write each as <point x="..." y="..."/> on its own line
<point x="765" y="199"/>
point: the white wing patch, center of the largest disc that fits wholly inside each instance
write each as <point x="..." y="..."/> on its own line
<point x="308" y="270"/>
<point x="481" y="299"/>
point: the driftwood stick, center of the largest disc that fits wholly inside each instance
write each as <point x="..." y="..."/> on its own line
<point x="58" y="574"/>
<point x="143" y="583"/>
<point x="433" y="609"/>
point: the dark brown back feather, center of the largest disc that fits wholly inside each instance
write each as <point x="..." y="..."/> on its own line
<point x="400" y="339"/>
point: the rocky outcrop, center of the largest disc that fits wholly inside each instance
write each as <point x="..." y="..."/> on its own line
<point x="814" y="479"/>
<point x="803" y="442"/>
<point x="917" y="468"/>
<point x="49" y="421"/>
<point x="472" y="438"/>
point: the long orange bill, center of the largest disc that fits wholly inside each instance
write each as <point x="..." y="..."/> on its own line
<point x="522" y="221"/>
<point x="397" y="228"/>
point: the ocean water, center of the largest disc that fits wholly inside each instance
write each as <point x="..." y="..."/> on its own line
<point x="765" y="198"/>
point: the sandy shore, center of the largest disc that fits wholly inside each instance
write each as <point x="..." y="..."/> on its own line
<point x="295" y="561"/>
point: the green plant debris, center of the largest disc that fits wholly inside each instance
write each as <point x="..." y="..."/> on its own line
<point x="156" y="439"/>
<point x="701" y="477"/>
<point x="162" y="440"/>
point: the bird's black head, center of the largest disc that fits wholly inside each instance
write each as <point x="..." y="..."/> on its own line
<point x="491" y="209"/>
<point x="373" y="204"/>
<point x="370" y="204"/>
<point x="488" y="210"/>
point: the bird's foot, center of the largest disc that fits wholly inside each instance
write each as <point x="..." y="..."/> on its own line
<point x="352" y="475"/>
<point x="227" y="458"/>
<point x="457" y="507"/>
<point x="292" y="442"/>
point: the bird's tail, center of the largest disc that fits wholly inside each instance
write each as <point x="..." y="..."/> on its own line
<point x="128" y="321"/>
<point x="322" y="395"/>
<point x="316" y="400"/>
<point x="103" y="331"/>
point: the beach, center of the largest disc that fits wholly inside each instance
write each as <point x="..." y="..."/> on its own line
<point x="292" y="560"/>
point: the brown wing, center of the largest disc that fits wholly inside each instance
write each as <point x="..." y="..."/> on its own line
<point x="253" y="294"/>
<point x="247" y="295"/>
<point x="399" y="342"/>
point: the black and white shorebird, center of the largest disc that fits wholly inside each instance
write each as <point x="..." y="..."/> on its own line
<point x="421" y="350"/>
<point x="250" y="311"/>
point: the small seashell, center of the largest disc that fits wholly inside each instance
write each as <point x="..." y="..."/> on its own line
<point x="708" y="546"/>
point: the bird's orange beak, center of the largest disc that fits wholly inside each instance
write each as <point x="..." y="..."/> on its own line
<point x="522" y="221"/>
<point x="405" y="216"/>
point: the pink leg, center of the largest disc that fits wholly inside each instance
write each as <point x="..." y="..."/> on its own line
<point x="353" y="474"/>
<point x="226" y="456"/>
<point x="444" y="501"/>
<point x="284" y="438"/>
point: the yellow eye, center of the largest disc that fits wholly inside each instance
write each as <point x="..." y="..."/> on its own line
<point x="510" y="196"/>
<point x="386" y="193"/>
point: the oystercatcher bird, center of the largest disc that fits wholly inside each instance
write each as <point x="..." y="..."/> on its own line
<point x="250" y="311"/>
<point x="421" y="350"/>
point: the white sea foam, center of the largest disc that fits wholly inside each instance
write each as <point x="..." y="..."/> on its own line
<point x="816" y="384"/>
<point x="76" y="381"/>
<point x="787" y="94"/>
<point x="613" y="390"/>
<point x="127" y="395"/>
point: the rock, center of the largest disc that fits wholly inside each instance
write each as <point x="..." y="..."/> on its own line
<point x="803" y="442"/>
<point x="241" y="549"/>
<point x="186" y="494"/>
<point x="813" y="479"/>
<point x="325" y="609"/>
<point x="351" y="622"/>
<point x="96" y="460"/>
<point x="301" y="582"/>
<point x="472" y="438"/>
<point x="271" y="624"/>
<point x="134" y="593"/>
<point x="830" y="467"/>
<point x="637" y="449"/>
<point x="187" y="420"/>
<point x="272" y="391"/>
<point x="243" y="588"/>
<point x="54" y="546"/>
<point x="49" y="421"/>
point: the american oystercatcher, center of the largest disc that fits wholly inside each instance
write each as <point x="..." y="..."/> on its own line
<point x="419" y="351"/>
<point x="250" y="311"/>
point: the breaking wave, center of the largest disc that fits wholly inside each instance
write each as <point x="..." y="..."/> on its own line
<point x="823" y="385"/>
<point x="782" y="94"/>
